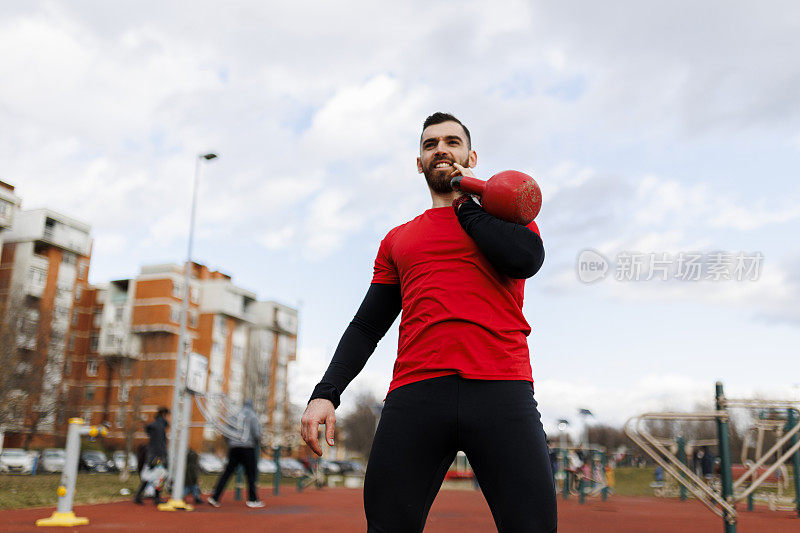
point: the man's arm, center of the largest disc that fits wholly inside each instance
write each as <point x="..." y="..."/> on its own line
<point x="511" y="248"/>
<point x="373" y="319"/>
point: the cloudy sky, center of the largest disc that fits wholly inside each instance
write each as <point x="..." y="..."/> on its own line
<point x="652" y="128"/>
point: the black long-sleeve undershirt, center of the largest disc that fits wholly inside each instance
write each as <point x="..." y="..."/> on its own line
<point x="511" y="248"/>
<point x="373" y="319"/>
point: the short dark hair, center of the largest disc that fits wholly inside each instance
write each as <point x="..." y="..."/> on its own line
<point x="438" y="118"/>
<point x="162" y="411"/>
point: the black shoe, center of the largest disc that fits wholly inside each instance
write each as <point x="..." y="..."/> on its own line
<point x="138" y="501"/>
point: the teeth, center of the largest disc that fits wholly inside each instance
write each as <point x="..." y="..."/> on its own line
<point x="442" y="165"/>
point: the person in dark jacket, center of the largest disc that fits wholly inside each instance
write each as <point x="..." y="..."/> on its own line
<point x="192" y="473"/>
<point x="156" y="449"/>
<point x="141" y="458"/>
<point x="707" y="464"/>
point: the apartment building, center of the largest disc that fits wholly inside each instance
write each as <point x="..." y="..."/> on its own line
<point x="44" y="269"/>
<point x="9" y="205"/>
<point x="108" y="352"/>
<point x="132" y="328"/>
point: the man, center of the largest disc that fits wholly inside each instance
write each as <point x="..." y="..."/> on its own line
<point x="156" y="451"/>
<point x="243" y="448"/>
<point x="462" y="379"/>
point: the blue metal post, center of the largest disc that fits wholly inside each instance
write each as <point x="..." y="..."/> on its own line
<point x="276" y="479"/>
<point x="725" y="458"/>
<point x="792" y="422"/>
<point x="682" y="459"/>
<point x="239" y="482"/>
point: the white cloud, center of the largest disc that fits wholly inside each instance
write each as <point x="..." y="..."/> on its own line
<point x="316" y="109"/>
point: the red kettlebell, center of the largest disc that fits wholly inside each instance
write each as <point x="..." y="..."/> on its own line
<point x="510" y="195"/>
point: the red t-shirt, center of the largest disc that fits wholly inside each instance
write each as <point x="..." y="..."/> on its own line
<point x="460" y="315"/>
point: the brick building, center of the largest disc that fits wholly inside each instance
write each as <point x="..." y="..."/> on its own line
<point x="44" y="267"/>
<point x="108" y="352"/>
<point x="132" y="327"/>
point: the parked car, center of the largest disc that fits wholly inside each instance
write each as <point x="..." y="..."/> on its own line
<point x="95" y="461"/>
<point x="16" y="460"/>
<point x="210" y="463"/>
<point x="266" y="465"/>
<point x="350" y="467"/>
<point x="329" y="467"/>
<point x="52" y="460"/>
<point x="292" y="467"/>
<point x="119" y="461"/>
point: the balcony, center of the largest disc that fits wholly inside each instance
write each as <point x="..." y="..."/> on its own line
<point x="66" y="237"/>
<point x="116" y="340"/>
<point x="33" y="289"/>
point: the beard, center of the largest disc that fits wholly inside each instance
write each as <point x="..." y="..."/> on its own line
<point x="439" y="179"/>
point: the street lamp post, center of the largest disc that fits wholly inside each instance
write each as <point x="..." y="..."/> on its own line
<point x="181" y="402"/>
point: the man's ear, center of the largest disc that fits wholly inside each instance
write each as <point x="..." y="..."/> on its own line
<point x="419" y="165"/>
<point x="473" y="159"/>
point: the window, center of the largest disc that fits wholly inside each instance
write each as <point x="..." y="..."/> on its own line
<point x="174" y="315"/>
<point x="194" y="293"/>
<point x="74" y="320"/>
<point x="93" y="342"/>
<point x="89" y="392"/>
<point x="193" y="319"/>
<point x="68" y="258"/>
<point x="113" y="341"/>
<point x="68" y="367"/>
<point x="5" y="208"/>
<point x="91" y="367"/>
<point x="72" y="342"/>
<point x="177" y="289"/>
<point x="61" y="312"/>
<point x="118" y="311"/>
<point x="120" y="422"/>
<point x="78" y="292"/>
<point x="97" y="318"/>
<point x="237" y="354"/>
<point x="87" y="416"/>
<point x="37" y="276"/>
<point x="83" y="268"/>
<point x="124" y="392"/>
<point x="221" y="325"/>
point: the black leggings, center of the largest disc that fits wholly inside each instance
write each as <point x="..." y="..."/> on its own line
<point x="424" y="424"/>
<point x="236" y="457"/>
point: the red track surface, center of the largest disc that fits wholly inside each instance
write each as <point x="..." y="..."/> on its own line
<point x="454" y="511"/>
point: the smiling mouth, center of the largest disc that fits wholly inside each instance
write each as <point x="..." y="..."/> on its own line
<point x="442" y="164"/>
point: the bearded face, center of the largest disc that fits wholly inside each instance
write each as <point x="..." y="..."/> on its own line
<point x="442" y="145"/>
<point x="437" y="172"/>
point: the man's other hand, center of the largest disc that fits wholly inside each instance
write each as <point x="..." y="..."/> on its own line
<point x="319" y="411"/>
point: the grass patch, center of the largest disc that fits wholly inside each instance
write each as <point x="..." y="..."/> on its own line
<point x="633" y="481"/>
<point x="21" y="491"/>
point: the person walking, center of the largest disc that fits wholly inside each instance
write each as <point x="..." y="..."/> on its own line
<point x="462" y="379"/>
<point x="242" y="450"/>
<point x="156" y="453"/>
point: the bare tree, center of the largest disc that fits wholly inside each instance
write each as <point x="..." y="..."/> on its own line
<point x="12" y="397"/>
<point x="257" y="369"/>
<point x="134" y="374"/>
<point x="32" y="355"/>
<point x="358" y="427"/>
